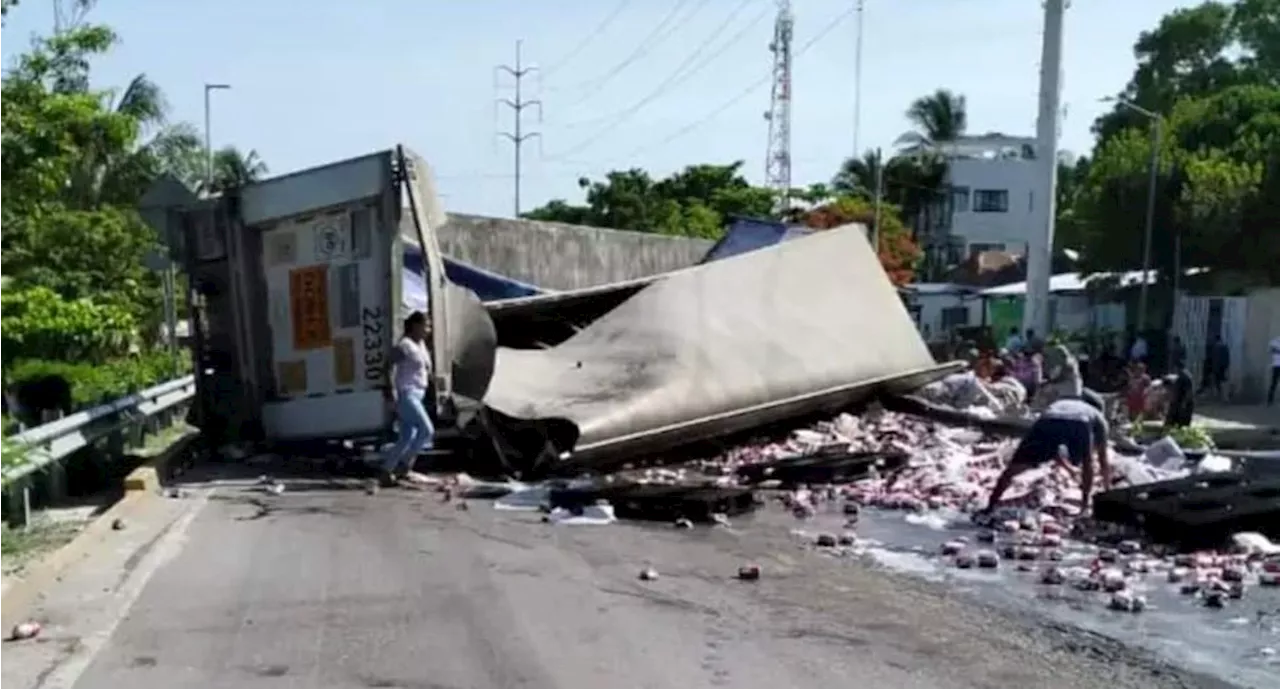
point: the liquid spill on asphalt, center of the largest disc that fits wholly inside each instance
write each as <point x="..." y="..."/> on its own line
<point x="1230" y="643"/>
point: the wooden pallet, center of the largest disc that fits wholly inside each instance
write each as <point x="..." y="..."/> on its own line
<point x="1199" y="511"/>
<point x="647" y="502"/>
<point x="835" y="465"/>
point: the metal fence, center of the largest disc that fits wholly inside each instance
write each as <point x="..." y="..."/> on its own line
<point x="115" y="425"/>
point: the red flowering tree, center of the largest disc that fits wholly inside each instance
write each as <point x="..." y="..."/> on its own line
<point x="899" y="254"/>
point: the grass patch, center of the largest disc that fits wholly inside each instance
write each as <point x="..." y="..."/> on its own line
<point x="43" y="535"/>
<point x="155" y="444"/>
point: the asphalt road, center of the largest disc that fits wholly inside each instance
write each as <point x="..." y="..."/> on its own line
<point x="325" y="586"/>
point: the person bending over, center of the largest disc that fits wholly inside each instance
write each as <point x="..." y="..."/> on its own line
<point x="1079" y="425"/>
<point x="412" y="363"/>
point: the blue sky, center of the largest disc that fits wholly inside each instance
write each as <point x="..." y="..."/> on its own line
<point x="322" y="80"/>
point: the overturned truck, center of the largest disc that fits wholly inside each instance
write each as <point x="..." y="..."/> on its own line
<point x="299" y="284"/>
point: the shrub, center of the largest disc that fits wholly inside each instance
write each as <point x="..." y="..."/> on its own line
<point x="39" y="324"/>
<point x="92" y="384"/>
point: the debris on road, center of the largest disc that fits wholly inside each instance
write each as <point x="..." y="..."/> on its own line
<point x="749" y="572"/>
<point x="648" y="574"/>
<point x="117" y="524"/>
<point x="25" y="630"/>
<point x="591" y="515"/>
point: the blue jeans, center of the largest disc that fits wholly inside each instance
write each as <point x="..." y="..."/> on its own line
<point x="416" y="432"/>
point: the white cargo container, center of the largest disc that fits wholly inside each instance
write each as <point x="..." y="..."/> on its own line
<point x="305" y="273"/>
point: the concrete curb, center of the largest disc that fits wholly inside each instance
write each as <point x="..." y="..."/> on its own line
<point x="21" y="592"/>
<point x="151" y="476"/>
<point x="140" y="485"/>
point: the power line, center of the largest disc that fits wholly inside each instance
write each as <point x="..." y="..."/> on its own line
<point x="747" y="91"/>
<point x="648" y="43"/>
<point x="518" y="137"/>
<point x="677" y="77"/>
<point x="586" y="40"/>
<point x="682" y="73"/>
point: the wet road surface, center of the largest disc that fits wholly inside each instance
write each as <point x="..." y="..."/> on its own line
<point x="325" y="586"/>
<point x="1238" y="642"/>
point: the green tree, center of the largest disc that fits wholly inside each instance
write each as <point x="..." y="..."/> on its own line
<point x="1212" y="72"/>
<point x="1198" y="51"/>
<point x="76" y="161"/>
<point x="938" y="118"/>
<point x="694" y="202"/>
<point x="1218" y="188"/>
<point x="1071" y="184"/>
<point x="49" y="121"/>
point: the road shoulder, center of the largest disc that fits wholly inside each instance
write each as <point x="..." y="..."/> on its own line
<point x="79" y="595"/>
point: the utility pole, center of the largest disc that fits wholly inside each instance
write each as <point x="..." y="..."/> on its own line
<point x="857" y="84"/>
<point x="778" y="152"/>
<point x="1040" y="245"/>
<point x="518" y="136"/>
<point x="875" y="222"/>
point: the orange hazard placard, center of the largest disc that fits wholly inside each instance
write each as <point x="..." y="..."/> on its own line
<point x="309" y="307"/>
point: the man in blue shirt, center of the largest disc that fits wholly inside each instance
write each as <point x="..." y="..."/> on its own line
<point x="1077" y="424"/>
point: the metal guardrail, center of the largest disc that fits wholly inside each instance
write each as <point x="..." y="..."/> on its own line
<point x="49" y="443"/>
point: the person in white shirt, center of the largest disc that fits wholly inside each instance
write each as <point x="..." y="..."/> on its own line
<point x="1275" y="371"/>
<point x="411" y="362"/>
<point x="1062" y="377"/>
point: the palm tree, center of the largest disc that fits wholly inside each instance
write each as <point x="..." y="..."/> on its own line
<point x="109" y="174"/>
<point x="938" y="118"/>
<point x="233" y="169"/>
<point x="857" y="176"/>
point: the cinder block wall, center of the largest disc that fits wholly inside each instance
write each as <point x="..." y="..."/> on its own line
<point x="1261" y="324"/>
<point x="563" y="257"/>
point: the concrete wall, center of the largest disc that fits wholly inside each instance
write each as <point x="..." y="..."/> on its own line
<point x="1262" y="323"/>
<point x="562" y="257"/>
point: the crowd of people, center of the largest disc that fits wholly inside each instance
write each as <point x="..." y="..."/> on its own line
<point x="1072" y="425"/>
<point x="1028" y="374"/>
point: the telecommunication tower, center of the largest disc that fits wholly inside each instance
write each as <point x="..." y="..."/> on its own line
<point x="778" y="154"/>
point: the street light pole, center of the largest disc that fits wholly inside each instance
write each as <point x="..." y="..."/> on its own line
<point x="1153" y="177"/>
<point x="208" y="134"/>
<point x="208" y="190"/>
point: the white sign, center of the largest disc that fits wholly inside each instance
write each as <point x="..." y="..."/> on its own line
<point x="333" y="238"/>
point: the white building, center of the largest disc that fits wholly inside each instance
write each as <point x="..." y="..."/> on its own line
<point x="991" y="205"/>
